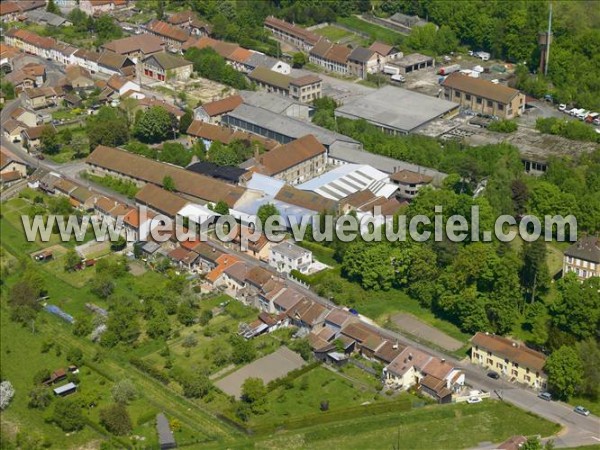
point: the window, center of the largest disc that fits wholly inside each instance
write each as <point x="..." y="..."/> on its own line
<point x="500" y="107"/>
<point x="490" y="103"/>
<point x="479" y="101"/>
<point x="468" y="97"/>
<point x="527" y="378"/>
<point x="457" y="94"/>
<point x="515" y="372"/>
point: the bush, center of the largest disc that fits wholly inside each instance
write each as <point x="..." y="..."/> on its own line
<point x="67" y="415"/>
<point x="115" y="419"/>
<point x="149" y="369"/>
<point x="503" y="126"/>
<point x="570" y="129"/>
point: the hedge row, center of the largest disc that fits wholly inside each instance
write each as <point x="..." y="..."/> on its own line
<point x="149" y="369"/>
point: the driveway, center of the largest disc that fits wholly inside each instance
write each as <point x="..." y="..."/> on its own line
<point x="421" y="330"/>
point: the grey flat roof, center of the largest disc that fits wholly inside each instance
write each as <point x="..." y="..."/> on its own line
<point x="65" y="388"/>
<point x="396" y="108"/>
<point x="383" y="163"/>
<point x="271" y="102"/>
<point x="413" y="58"/>
<point x="286" y="126"/>
<point x="289" y="250"/>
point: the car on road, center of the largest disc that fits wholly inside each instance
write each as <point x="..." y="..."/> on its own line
<point x="562" y="107"/>
<point x="581" y="410"/>
<point x="545" y="396"/>
<point x="494" y="375"/>
<point x="473" y="400"/>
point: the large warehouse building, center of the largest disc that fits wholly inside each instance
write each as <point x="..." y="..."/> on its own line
<point x="397" y="110"/>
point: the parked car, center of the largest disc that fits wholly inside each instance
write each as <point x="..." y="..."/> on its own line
<point x="494" y="375"/>
<point x="581" y="410"/>
<point x="562" y="107"/>
<point x="545" y="396"/>
<point x="596" y="121"/>
<point x="582" y="115"/>
<point x="591" y="117"/>
<point x="473" y="400"/>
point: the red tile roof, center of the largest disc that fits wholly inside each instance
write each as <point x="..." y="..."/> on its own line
<point x="512" y="350"/>
<point x="222" y="106"/>
<point x="169" y="31"/>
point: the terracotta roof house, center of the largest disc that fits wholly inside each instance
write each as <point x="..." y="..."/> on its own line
<point x="11" y="167"/>
<point x="189" y="20"/>
<point x="160" y="200"/>
<point x="165" y="67"/>
<point x="307" y="314"/>
<point x="294" y="34"/>
<point x="511" y="359"/>
<point x="112" y="63"/>
<point x="333" y="57"/>
<point x="108" y="160"/>
<point x="484" y="96"/>
<point x="224" y="261"/>
<point x="338" y="318"/>
<point x="583" y="258"/>
<point x="78" y="77"/>
<point x="136" y="47"/>
<point x="174" y="36"/>
<point x="287" y="300"/>
<point x="212" y="111"/>
<point x="294" y="162"/>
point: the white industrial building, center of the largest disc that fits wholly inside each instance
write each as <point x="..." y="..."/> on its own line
<point x="350" y="178"/>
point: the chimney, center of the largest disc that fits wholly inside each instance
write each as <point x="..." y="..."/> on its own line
<point x="410" y="356"/>
<point x="443" y="360"/>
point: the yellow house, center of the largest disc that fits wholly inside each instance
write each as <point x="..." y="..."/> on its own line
<point x="512" y="359"/>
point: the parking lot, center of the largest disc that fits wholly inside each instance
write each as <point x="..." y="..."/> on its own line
<point x="268" y="368"/>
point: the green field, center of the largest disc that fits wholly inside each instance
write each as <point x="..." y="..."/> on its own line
<point x="340" y="35"/>
<point x="354" y="401"/>
<point x="333" y="33"/>
<point x="433" y="427"/>
<point x="376" y="32"/>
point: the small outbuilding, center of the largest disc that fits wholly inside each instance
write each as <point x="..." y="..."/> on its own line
<point x="166" y="439"/>
<point x="65" y="389"/>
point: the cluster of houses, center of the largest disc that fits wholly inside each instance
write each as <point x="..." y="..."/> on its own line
<point x="341" y="59"/>
<point x="12" y="168"/>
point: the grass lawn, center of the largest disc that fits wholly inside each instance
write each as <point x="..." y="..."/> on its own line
<point x="376" y="32"/>
<point x="333" y="33"/>
<point x="308" y="390"/>
<point x="21" y="359"/>
<point x="433" y="427"/>
<point x="320" y="252"/>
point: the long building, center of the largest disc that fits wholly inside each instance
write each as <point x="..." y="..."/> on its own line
<point x="140" y="170"/>
<point x="284" y="129"/>
<point x="511" y="359"/>
<point x="396" y="110"/>
<point x="483" y="96"/>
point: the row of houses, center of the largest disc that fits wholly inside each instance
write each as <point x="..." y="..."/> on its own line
<point x="333" y="333"/>
<point x="119" y="57"/>
<point x="333" y="57"/>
